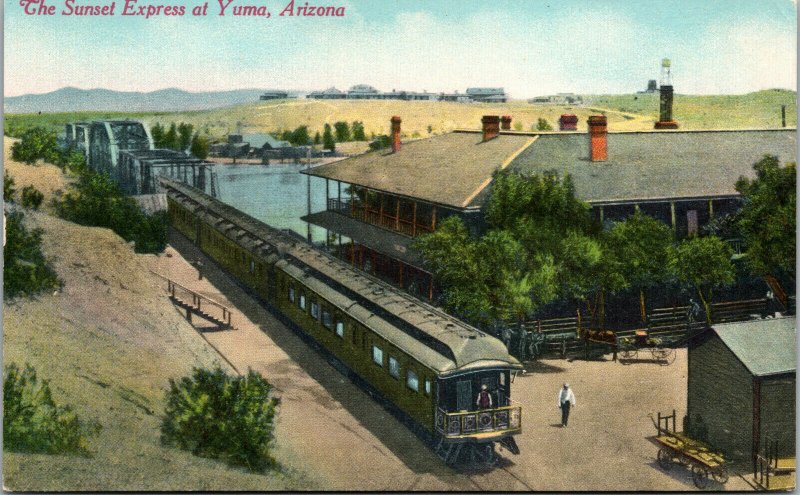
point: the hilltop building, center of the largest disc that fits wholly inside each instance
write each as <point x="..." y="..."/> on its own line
<point x="383" y="199"/>
<point x="367" y="92"/>
<point x="275" y="95"/>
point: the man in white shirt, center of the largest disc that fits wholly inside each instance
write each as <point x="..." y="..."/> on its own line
<point x="566" y="400"/>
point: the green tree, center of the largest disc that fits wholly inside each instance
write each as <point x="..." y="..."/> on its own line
<point x="543" y="125"/>
<point x="641" y="245"/>
<point x="704" y="264"/>
<point x="327" y="138"/>
<point x="300" y="136"/>
<point x="171" y="140"/>
<point x="199" y="147"/>
<point x="158" y="134"/>
<point x="767" y="218"/>
<point x="342" y="130"/>
<point x="358" y="131"/>
<point x="25" y="269"/>
<point x="317" y="138"/>
<point x="230" y="418"/>
<point x="380" y="142"/>
<point x="185" y="132"/>
<point x="33" y="422"/>
<point x="517" y="125"/>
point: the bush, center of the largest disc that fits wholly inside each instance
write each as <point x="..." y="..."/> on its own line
<point x="8" y="188"/>
<point x="96" y="200"/>
<point x="212" y="414"/>
<point x="25" y="271"/>
<point x="380" y="142"/>
<point x="33" y="422"/>
<point x="31" y="197"/>
<point x="36" y="143"/>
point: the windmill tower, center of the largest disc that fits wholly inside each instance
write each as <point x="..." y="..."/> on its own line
<point x="665" y="112"/>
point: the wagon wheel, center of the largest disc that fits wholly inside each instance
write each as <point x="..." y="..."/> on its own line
<point x="628" y="353"/>
<point x="664" y="459"/>
<point x="700" y="476"/>
<point x="720" y="474"/>
<point x="659" y="353"/>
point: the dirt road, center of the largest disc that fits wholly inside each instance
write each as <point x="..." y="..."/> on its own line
<point x="332" y="428"/>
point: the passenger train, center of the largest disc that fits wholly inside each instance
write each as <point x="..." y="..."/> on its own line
<point x="427" y="365"/>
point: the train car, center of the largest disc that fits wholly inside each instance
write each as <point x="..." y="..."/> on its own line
<point x="426" y="364"/>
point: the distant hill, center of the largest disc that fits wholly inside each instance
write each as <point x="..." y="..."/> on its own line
<point x="105" y="100"/>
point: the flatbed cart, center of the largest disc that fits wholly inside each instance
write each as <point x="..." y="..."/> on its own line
<point x="629" y="346"/>
<point x="676" y="447"/>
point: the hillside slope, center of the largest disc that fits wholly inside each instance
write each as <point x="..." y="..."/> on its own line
<point x="108" y="342"/>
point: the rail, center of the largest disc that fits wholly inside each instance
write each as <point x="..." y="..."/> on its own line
<point x="374" y="217"/>
<point x="469" y="423"/>
<point x="175" y="289"/>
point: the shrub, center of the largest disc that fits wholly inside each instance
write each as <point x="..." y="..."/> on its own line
<point x="36" y="143"/>
<point x="96" y="200"/>
<point x="33" y="422"/>
<point x="219" y="416"/>
<point x="8" y="188"/>
<point x="25" y="271"/>
<point x="31" y="197"/>
<point x="380" y="142"/>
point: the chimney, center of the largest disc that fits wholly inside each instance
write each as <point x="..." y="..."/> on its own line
<point x="396" y="133"/>
<point x="505" y="122"/>
<point x="598" y="138"/>
<point x="491" y="126"/>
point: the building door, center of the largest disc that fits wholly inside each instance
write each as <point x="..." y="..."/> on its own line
<point x="691" y="222"/>
<point x="463" y="395"/>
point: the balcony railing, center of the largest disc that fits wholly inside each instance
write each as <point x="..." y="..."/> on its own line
<point x="465" y="424"/>
<point x="373" y="217"/>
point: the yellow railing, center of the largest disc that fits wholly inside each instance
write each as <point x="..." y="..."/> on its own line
<point x="468" y="423"/>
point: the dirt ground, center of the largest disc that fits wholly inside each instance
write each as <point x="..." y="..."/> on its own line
<point x="331" y="427"/>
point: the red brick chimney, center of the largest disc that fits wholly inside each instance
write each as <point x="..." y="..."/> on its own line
<point x="396" y="133"/>
<point x="505" y="122"/>
<point x="598" y="138"/>
<point x="491" y="126"/>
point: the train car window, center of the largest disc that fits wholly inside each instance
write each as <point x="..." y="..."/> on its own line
<point x="252" y="266"/>
<point x="427" y="386"/>
<point x="314" y="310"/>
<point x="394" y="367"/>
<point x="377" y="355"/>
<point x="291" y="294"/>
<point x="340" y="329"/>
<point x="412" y="381"/>
<point x="502" y="379"/>
<point x="302" y="301"/>
<point x="327" y="319"/>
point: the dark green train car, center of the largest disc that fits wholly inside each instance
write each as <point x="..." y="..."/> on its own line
<point x="427" y="364"/>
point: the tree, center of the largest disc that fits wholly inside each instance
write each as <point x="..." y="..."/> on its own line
<point x="31" y="197"/>
<point x="518" y="126"/>
<point x="703" y="263"/>
<point x="342" y="130"/>
<point x="543" y="125"/>
<point x="171" y="140"/>
<point x="767" y="218"/>
<point x="317" y="138"/>
<point x="36" y="143"/>
<point x="300" y="137"/>
<point x="327" y="139"/>
<point x="358" y="131"/>
<point x="380" y="142"/>
<point x="199" y="147"/>
<point x="185" y="132"/>
<point x="157" y="132"/>
<point x="8" y="188"/>
<point x="25" y="269"/>
<point x="641" y="245"/>
<point x="231" y="418"/>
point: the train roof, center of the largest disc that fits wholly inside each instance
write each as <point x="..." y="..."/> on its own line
<point x="440" y="341"/>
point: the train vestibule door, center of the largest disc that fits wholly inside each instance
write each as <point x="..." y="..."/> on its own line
<point x="464" y="395"/>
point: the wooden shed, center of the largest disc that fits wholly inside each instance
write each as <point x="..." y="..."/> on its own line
<point x="741" y="388"/>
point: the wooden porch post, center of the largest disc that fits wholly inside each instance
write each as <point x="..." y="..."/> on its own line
<point x="414" y="221"/>
<point x="401" y="273"/>
<point x="672" y="214"/>
<point x="602" y="213"/>
<point x="430" y="287"/>
<point x="397" y="215"/>
<point x="352" y="201"/>
<point x="433" y="219"/>
<point x="380" y="208"/>
<point x="710" y="209"/>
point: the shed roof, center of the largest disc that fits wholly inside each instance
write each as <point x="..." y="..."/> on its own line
<point x="765" y="347"/>
<point x="448" y="169"/>
<point x="258" y="140"/>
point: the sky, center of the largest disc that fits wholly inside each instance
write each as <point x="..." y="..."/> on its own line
<point x="528" y="47"/>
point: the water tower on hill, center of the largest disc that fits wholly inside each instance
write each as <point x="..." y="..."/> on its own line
<point x="665" y="114"/>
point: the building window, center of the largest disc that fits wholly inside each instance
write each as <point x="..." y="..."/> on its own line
<point x="327" y="321"/>
<point x="302" y="301"/>
<point x="412" y="381"/>
<point x="394" y="367"/>
<point x="314" y="310"/>
<point x="252" y="266"/>
<point x="291" y="294"/>
<point x="340" y="329"/>
<point x="427" y="386"/>
<point x="377" y="355"/>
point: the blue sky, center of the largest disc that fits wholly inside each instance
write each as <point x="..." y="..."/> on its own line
<point x="529" y="47"/>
